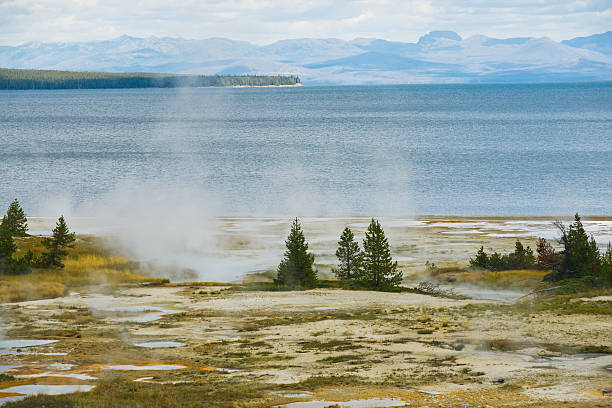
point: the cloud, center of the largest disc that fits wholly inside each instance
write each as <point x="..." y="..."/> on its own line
<point x="270" y="20"/>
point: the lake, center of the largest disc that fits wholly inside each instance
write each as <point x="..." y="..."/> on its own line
<point x="342" y="150"/>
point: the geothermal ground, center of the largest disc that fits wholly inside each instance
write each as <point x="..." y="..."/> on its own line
<point x="195" y="344"/>
<point x="331" y="345"/>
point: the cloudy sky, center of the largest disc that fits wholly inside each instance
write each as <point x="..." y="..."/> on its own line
<point x="265" y="21"/>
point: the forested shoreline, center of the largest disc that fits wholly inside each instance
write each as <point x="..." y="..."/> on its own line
<point x="44" y="79"/>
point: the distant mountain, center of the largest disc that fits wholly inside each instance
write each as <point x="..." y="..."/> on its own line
<point x="439" y="56"/>
<point x="599" y="42"/>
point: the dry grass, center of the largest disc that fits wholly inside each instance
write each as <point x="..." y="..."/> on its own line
<point x="86" y="264"/>
<point x="88" y="268"/>
<point x="22" y="290"/>
<point x="524" y="278"/>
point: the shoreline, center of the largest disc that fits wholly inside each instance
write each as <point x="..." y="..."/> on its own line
<point x="249" y="86"/>
<point x="241" y="246"/>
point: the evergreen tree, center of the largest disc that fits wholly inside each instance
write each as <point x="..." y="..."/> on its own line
<point x="379" y="270"/>
<point x="15" y="220"/>
<point x="62" y="238"/>
<point x="497" y="261"/>
<point x="7" y="245"/>
<point x="606" y="267"/>
<point x="349" y="255"/>
<point x="580" y="255"/>
<point x="522" y="258"/>
<point x="9" y="265"/>
<point x="547" y="257"/>
<point x="481" y="260"/>
<point x="7" y="249"/>
<point x="296" y="269"/>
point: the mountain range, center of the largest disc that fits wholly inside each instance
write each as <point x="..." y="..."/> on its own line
<point x="437" y="57"/>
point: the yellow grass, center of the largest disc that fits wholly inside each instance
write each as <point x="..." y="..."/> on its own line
<point x="86" y="264"/>
<point x="522" y="278"/>
<point x="19" y="291"/>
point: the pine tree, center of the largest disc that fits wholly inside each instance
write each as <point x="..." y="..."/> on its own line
<point x="522" y="258"/>
<point x="349" y="255"/>
<point x="7" y="249"/>
<point x="15" y="220"/>
<point x="62" y="238"/>
<point x="379" y="270"/>
<point x="296" y="269"/>
<point x="606" y="267"/>
<point x="581" y="256"/>
<point x="481" y="260"/>
<point x="7" y="245"/>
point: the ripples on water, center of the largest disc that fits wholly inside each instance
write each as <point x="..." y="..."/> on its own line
<point x="462" y="149"/>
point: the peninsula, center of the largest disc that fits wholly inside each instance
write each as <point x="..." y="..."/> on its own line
<point x="49" y="79"/>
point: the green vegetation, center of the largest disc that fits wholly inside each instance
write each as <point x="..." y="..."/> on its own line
<point x="34" y="267"/>
<point x="296" y="269"/>
<point x="62" y="238"/>
<point x="350" y="257"/>
<point x="15" y="220"/>
<point x="580" y="265"/>
<point x="521" y="258"/>
<point x="371" y="268"/>
<point x="14" y="224"/>
<point x="379" y="270"/>
<point x="85" y="264"/>
<point x="39" y="79"/>
<point x="577" y="268"/>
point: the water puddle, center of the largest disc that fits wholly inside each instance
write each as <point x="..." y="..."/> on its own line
<point x="152" y="367"/>
<point x="20" y="392"/>
<point x="61" y="366"/>
<point x="482" y="293"/>
<point x="7" y="368"/>
<point x="293" y="394"/>
<point x="138" y="314"/>
<point x="227" y="370"/>
<point x="20" y="343"/>
<point x="61" y="375"/>
<point x="361" y="403"/>
<point x="144" y="379"/>
<point x="572" y="357"/>
<point x="14" y="346"/>
<point x="160" y="344"/>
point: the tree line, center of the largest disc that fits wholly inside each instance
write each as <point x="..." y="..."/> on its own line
<point x="47" y="79"/>
<point x="579" y="260"/>
<point x="15" y="224"/>
<point x="371" y="268"/>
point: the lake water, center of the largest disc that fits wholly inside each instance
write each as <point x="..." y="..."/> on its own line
<point x="351" y="150"/>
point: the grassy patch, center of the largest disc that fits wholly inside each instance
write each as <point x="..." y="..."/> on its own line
<point x="117" y="391"/>
<point x="87" y="263"/>
<point x="509" y="346"/>
<point x="332" y="345"/>
<point x="559" y="304"/>
<point x="25" y="287"/>
<point x="78" y="317"/>
<point x="525" y="278"/>
<point x="317" y="382"/>
<point x="345" y="358"/>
